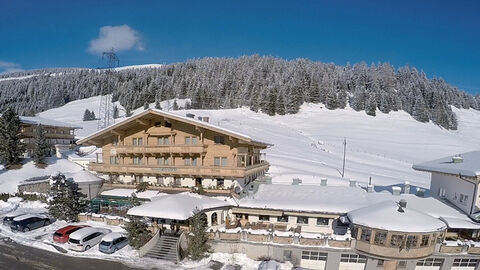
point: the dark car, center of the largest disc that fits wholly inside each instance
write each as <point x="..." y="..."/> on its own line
<point x="29" y="222"/>
<point x="8" y="219"/>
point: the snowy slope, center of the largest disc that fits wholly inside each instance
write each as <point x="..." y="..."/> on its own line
<point x="308" y="145"/>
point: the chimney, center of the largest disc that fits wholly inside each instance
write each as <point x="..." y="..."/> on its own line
<point x="323" y="182"/>
<point x="191" y="115"/>
<point x="370" y="188"/>
<point x="457" y="159"/>
<point x="402" y="203"/>
<point x="407" y="187"/>
<point x="352" y="183"/>
<point x="396" y="190"/>
<point x="296" y="181"/>
<point x="206" y="119"/>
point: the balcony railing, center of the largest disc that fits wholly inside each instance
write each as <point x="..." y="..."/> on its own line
<point x="211" y="171"/>
<point x="160" y="149"/>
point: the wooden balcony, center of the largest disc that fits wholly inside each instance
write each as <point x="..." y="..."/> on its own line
<point x="196" y="171"/>
<point x="160" y="149"/>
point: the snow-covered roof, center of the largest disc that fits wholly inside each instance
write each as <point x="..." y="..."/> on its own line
<point x="35" y="120"/>
<point x="386" y="216"/>
<point x="175" y="117"/>
<point x="469" y="166"/>
<point x="127" y="192"/>
<point x="179" y="206"/>
<point x="83" y="177"/>
<point x="340" y="200"/>
<point x="456" y="223"/>
<point x="112" y="236"/>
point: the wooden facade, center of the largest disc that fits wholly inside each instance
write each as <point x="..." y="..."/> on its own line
<point x="55" y="135"/>
<point x="166" y="149"/>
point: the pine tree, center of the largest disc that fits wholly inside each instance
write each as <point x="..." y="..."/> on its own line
<point x="11" y="147"/>
<point x="128" y="112"/>
<point x="41" y="148"/>
<point x="66" y="200"/>
<point x="197" y="244"/>
<point x="175" y="105"/>
<point x="138" y="233"/>
<point x="88" y="115"/>
<point x="420" y="110"/>
<point x="371" y="105"/>
<point x="145" y="105"/>
<point x="280" y="109"/>
<point x="116" y="112"/>
<point x="157" y="104"/>
<point x="331" y="100"/>
<point x="188" y="105"/>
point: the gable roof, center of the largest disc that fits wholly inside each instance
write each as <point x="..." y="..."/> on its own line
<point x="470" y="166"/>
<point x="177" y="118"/>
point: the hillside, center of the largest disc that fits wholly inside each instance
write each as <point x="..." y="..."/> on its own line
<point x="274" y="86"/>
<point x="308" y="145"/>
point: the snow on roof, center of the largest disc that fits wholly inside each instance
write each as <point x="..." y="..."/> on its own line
<point x="83" y="177"/>
<point x="112" y="236"/>
<point x="35" y="120"/>
<point x="470" y="166"/>
<point x="456" y="223"/>
<point x="127" y="192"/>
<point x="340" y="200"/>
<point x="177" y="117"/>
<point x="179" y="206"/>
<point x="386" y="216"/>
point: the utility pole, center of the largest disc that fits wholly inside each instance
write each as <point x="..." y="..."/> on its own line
<point x="344" y="154"/>
<point x="105" y="110"/>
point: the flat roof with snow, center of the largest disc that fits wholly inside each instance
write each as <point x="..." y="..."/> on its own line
<point x="35" y="120"/>
<point x="127" y="192"/>
<point x="468" y="165"/>
<point x="179" y="206"/>
<point x="340" y="200"/>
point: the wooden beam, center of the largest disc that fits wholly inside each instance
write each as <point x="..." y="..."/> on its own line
<point x="118" y="133"/>
<point x="141" y="122"/>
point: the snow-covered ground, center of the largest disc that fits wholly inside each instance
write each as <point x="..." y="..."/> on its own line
<point x="42" y="238"/>
<point x="309" y="145"/>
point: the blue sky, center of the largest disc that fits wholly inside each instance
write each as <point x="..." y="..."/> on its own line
<point x="441" y="38"/>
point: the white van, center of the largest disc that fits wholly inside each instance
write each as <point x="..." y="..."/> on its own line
<point x="86" y="238"/>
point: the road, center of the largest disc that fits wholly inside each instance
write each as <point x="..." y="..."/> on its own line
<point x="14" y="256"/>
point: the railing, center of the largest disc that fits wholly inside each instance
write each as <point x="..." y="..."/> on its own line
<point x="149" y="245"/>
<point x="160" y="149"/>
<point x="178" y="170"/>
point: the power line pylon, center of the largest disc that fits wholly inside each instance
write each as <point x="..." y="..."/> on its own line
<point x="106" y="109"/>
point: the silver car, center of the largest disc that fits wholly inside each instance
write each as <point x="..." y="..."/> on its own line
<point x="112" y="242"/>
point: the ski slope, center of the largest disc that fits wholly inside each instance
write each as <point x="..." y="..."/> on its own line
<point x="309" y="145"/>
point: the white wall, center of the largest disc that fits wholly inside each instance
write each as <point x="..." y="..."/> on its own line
<point x="312" y="264"/>
<point x="351" y="266"/>
<point x="454" y="186"/>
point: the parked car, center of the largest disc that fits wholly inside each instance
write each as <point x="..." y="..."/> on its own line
<point x="112" y="242"/>
<point x="85" y="238"/>
<point x="269" y="265"/>
<point x="62" y="234"/>
<point x="8" y="219"/>
<point x="28" y="222"/>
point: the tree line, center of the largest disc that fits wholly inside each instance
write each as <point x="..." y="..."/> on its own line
<point x="268" y="84"/>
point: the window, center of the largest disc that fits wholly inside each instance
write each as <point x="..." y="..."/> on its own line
<point x="220" y="161"/>
<point x="168" y="124"/>
<point x="322" y="221"/>
<point x="402" y="265"/>
<point x="187" y="161"/>
<point x="365" y="236"/>
<point x="137" y="160"/>
<point x="282" y="219"/>
<point x="424" y="241"/>
<point x="396" y="240"/>
<point x="137" y="141"/>
<point x="463" y="199"/>
<point x="114" y="160"/>
<point x="163" y="140"/>
<point x="412" y="241"/>
<point x="194" y="140"/>
<point x="264" y="218"/>
<point x="431" y="262"/>
<point x="191" y="140"/>
<point x="219" y="139"/>
<point x="194" y="161"/>
<point x="380" y="238"/>
<point x="302" y="220"/>
<point x="353" y="258"/>
<point x="162" y="161"/>
<point x="380" y="263"/>
<point x="314" y="255"/>
<point x="187" y="140"/>
<point x="465" y="262"/>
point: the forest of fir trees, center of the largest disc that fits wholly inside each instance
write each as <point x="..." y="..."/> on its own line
<point x="267" y="84"/>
